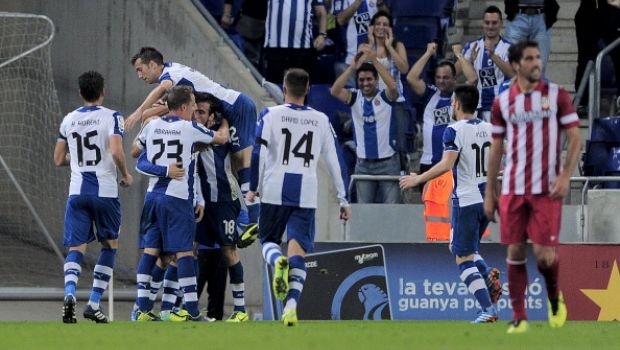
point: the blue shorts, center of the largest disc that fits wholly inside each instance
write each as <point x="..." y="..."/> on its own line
<point x="298" y="223"/>
<point x="242" y="118"/>
<point x="146" y="224"/>
<point x="468" y="225"/>
<point x="219" y="224"/>
<point x="84" y="213"/>
<point x="170" y="224"/>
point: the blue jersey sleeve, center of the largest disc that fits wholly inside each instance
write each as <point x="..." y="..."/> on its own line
<point x="119" y="124"/>
<point x="449" y="140"/>
<point x="144" y="166"/>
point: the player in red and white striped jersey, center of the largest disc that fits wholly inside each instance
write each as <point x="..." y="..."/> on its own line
<point x="530" y="116"/>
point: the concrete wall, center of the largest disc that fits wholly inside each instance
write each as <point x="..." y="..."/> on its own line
<point x="397" y="223"/>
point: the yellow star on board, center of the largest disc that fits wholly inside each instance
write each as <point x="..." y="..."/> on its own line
<point x="607" y="299"/>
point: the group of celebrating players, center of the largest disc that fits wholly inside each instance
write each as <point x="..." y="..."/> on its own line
<point x="205" y="152"/>
<point x="195" y="145"/>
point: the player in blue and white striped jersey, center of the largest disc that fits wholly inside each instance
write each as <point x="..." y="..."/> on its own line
<point x="167" y="140"/>
<point x="290" y="140"/>
<point x="239" y="108"/>
<point x="466" y="145"/>
<point x="91" y="141"/>
<point x="489" y="56"/>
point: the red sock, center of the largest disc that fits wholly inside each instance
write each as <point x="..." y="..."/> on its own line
<point x="517" y="282"/>
<point x="550" y="273"/>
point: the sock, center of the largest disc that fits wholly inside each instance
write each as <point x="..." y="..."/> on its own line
<point x="101" y="276"/>
<point x="72" y="269"/>
<point x="187" y="283"/>
<point x="156" y="282"/>
<point x="550" y="273"/>
<point x="243" y="219"/>
<point x="482" y="266"/>
<point x="238" y="288"/>
<point x="196" y="266"/>
<point x="244" y="183"/>
<point x="271" y="252"/>
<point x="171" y="286"/>
<point x="296" y="279"/>
<point x="145" y="266"/>
<point x="475" y="283"/>
<point x="517" y="283"/>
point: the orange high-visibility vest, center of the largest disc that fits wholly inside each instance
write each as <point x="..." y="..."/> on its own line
<point x="437" y="207"/>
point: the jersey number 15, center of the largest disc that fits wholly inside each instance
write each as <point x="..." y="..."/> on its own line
<point x="85" y="142"/>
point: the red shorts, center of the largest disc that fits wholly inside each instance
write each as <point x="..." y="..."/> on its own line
<point x="534" y="216"/>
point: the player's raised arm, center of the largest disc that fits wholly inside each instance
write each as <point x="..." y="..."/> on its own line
<point x="413" y="78"/>
<point x="153" y="96"/>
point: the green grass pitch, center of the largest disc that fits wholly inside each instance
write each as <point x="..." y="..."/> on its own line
<point x="307" y="335"/>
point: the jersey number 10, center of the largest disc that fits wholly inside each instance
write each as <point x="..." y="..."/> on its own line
<point x="481" y="159"/>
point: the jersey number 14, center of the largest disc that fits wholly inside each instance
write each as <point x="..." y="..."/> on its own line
<point x="305" y="140"/>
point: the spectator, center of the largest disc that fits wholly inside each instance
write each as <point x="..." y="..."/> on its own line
<point x="353" y="16"/>
<point x="250" y="25"/>
<point x="532" y="20"/>
<point x="392" y="54"/>
<point x="371" y="109"/>
<point x="288" y="36"/>
<point x="437" y="99"/>
<point x="489" y="57"/>
<point x="607" y="14"/>
<point x="437" y="116"/>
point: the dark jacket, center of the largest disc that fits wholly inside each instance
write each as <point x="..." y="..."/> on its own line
<point x="551" y="11"/>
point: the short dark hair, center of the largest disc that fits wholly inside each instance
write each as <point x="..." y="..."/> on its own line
<point x="178" y="96"/>
<point x="296" y="81"/>
<point x="446" y="63"/>
<point x="493" y="9"/>
<point x="91" y="85"/>
<point x="148" y="54"/>
<point x="215" y="105"/>
<point x="367" y="67"/>
<point x="515" y="51"/>
<point x="467" y="96"/>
